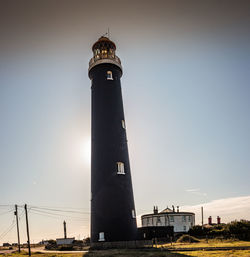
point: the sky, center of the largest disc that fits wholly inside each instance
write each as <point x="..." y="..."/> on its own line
<point x="186" y="98"/>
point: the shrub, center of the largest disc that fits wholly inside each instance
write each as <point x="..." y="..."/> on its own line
<point x="187" y="239"/>
<point x="239" y="229"/>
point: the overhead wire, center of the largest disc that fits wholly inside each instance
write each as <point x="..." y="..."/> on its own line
<point x="3" y="213"/>
<point x="59" y="210"/>
<point x="12" y="225"/>
<point x="74" y="214"/>
<point x="54" y="215"/>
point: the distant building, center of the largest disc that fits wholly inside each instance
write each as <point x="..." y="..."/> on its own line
<point x="65" y="241"/>
<point x="211" y="224"/>
<point x="44" y="242"/>
<point x="181" y="221"/>
<point x="6" y="244"/>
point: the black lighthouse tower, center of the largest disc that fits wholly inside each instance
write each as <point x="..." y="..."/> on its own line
<point x="113" y="215"/>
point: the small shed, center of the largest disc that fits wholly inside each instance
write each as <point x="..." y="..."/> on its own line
<point x="65" y="241"/>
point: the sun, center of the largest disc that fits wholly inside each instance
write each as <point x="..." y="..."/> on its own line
<point x="86" y="150"/>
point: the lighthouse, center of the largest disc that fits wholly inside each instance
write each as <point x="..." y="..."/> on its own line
<point x="113" y="216"/>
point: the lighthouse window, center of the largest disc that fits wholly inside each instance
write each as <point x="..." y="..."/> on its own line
<point x="101" y="236"/>
<point x="120" y="168"/>
<point x="109" y="75"/>
<point x="104" y="53"/>
<point x="123" y="124"/>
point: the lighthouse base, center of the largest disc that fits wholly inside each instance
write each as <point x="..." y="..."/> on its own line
<point x="121" y="245"/>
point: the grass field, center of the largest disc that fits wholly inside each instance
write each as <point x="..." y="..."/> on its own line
<point x="210" y="243"/>
<point x="140" y="253"/>
<point x="25" y="254"/>
<point x="157" y="253"/>
<point x="232" y="253"/>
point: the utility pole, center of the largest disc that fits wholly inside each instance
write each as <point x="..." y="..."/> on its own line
<point x="17" y="224"/>
<point x="27" y="225"/>
<point x="64" y="227"/>
<point x="202" y="217"/>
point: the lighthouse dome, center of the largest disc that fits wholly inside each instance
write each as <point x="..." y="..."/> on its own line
<point x="104" y="52"/>
<point x="104" y="42"/>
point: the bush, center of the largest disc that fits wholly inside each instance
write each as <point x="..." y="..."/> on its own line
<point x="239" y="229"/>
<point x="187" y="239"/>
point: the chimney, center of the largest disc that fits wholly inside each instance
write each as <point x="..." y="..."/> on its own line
<point x="218" y="220"/>
<point x="177" y="208"/>
<point x="173" y="208"/>
<point x="210" y="220"/>
<point x="64" y="226"/>
<point x="155" y="209"/>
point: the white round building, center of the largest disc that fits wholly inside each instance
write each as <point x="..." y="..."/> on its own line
<point x="181" y="221"/>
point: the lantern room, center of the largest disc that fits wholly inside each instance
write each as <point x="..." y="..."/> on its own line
<point x="104" y="48"/>
<point x="104" y="52"/>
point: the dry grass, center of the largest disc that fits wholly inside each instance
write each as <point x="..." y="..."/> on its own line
<point x="134" y="253"/>
<point x="156" y="252"/>
<point x="232" y="253"/>
<point x="37" y="254"/>
<point x="210" y="243"/>
<point x="139" y="253"/>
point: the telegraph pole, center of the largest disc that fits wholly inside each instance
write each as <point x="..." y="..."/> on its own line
<point x="27" y="225"/>
<point x="64" y="227"/>
<point x="202" y="217"/>
<point x="18" y="237"/>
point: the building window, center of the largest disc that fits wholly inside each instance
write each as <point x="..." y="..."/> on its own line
<point x="184" y="218"/>
<point x="148" y="221"/>
<point x="123" y="124"/>
<point x="109" y="75"/>
<point x="184" y="228"/>
<point x="171" y="218"/>
<point x="120" y="168"/>
<point x="101" y="236"/>
<point x="189" y="218"/>
<point x="133" y="214"/>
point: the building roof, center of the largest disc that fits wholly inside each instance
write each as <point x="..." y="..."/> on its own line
<point x="102" y="40"/>
<point x="168" y="211"/>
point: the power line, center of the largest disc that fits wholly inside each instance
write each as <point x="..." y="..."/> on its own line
<point x="3" y="213"/>
<point x="54" y="215"/>
<point x="59" y="210"/>
<point x="60" y="207"/>
<point x="12" y="225"/>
